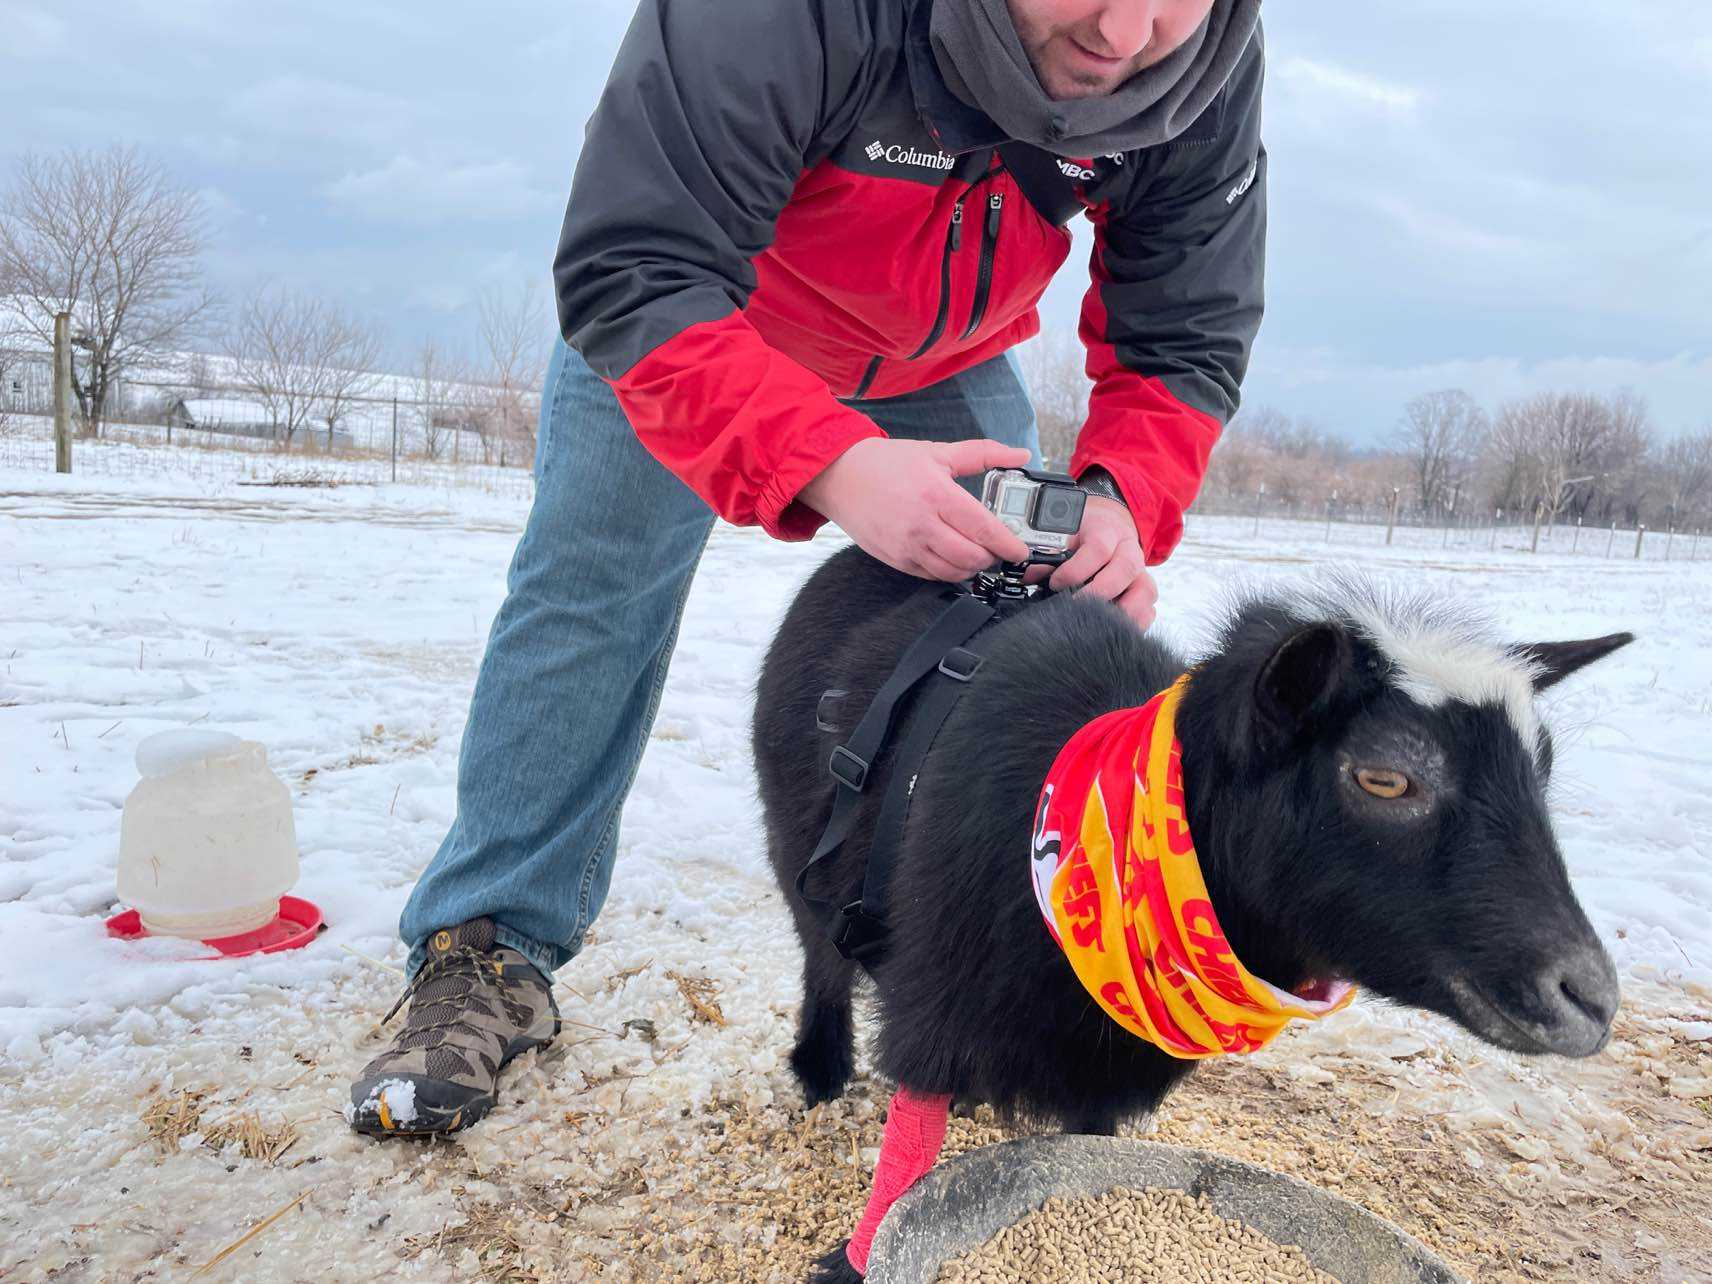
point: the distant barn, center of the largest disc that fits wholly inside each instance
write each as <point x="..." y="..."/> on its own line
<point x="238" y="418"/>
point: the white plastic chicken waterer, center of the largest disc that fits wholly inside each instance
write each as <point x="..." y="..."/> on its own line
<point x="207" y="847"/>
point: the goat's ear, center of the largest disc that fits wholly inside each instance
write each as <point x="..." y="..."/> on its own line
<point x="1555" y="661"/>
<point x="1300" y="679"/>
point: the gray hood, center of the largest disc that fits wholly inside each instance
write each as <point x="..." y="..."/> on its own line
<point x="976" y="47"/>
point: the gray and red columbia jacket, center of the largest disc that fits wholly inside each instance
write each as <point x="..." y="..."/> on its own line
<point x="780" y="210"/>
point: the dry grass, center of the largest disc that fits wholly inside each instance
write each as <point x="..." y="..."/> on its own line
<point x="248" y="1235"/>
<point x="699" y="992"/>
<point x="171" y="1119"/>
<point x="302" y="478"/>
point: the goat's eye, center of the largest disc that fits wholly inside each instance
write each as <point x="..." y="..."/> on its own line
<point x="1382" y="783"/>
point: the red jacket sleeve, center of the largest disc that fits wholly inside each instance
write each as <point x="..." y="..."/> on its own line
<point x="700" y="137"/>
<point x="744" y="426"/>
<point x="1155" y="447"/>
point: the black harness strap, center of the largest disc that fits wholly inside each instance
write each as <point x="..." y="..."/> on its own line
<point x="854" y="928"/>
<point x="945" y="687"/>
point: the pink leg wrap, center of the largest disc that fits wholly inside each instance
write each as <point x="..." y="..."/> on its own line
<point x="915" y="1130"/>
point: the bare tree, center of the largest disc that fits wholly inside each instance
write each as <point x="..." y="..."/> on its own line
<point x="348" y="351"/>
<point x="271" y="344"/>
<point x="1686" y="465"/>
<point x="516" y="331"/>
<point x="300" y="358"/>
<point x="442" y="392"/>
<point x="110" y="238"/>
<point x="1570" y="452"/>
<point x="1440" y="433"/>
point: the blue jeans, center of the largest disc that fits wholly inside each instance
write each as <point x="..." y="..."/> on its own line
<point x="574" y="667"/>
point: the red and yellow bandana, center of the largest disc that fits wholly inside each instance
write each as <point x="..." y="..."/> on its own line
<point x="1118" y="881"/>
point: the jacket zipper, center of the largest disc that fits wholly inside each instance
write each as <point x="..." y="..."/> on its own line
<point x="984" y="278"/>
<point x="953" y="239"/>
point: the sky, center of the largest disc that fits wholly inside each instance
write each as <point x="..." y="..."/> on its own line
<point x="1506" y="198"/>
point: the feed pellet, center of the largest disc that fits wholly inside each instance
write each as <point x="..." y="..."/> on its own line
<point x="1131" y="1237"/>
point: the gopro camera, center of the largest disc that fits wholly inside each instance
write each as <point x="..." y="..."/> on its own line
<point x="1043" y="509"/>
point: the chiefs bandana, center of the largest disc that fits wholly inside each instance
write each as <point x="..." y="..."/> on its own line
<point x="1117" y="879"/>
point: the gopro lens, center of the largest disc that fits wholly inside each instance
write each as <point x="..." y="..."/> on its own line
<point x="1058" y="510"/>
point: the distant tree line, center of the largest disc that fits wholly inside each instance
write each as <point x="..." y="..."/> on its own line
<point x="113" y="239"/>
<point x="1571" y="455"/>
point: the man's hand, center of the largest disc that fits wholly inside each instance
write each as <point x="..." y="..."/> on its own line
<point x="899" y="501"/>
<point x="1107" y="561"/>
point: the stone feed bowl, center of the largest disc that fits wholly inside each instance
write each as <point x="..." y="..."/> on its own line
<point x="966" y="1201"/>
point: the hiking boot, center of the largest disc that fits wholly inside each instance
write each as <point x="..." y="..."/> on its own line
<point x="474" y="1006"/>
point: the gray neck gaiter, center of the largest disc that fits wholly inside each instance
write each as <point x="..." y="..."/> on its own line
<point x="978" y="52"/>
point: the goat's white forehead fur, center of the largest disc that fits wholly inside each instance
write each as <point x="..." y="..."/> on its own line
<point x="1439" y="655"/>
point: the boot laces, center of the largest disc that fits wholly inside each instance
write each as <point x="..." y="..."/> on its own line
<point x="461" y="960"/>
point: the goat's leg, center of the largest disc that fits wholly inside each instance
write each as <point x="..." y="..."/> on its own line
<point x="1094" y="1122"/>
<point x="825" y="1052"/>
<point x="915" y="1131"/>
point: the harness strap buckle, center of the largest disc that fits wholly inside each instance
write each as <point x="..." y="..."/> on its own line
<point x="961" y="664"/>
<point x="848" y="769"/>
<point x="856" y="934"/>
<point x="823" y="714"/>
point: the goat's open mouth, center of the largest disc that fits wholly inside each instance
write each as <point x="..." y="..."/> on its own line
<point x="1321" y="994"/>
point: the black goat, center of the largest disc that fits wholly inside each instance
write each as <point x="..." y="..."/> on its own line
<point x="1452" y="897"/>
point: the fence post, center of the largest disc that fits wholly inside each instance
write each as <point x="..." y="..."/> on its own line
<point x="1640" y="534"/>
<point x="1391" y="521"/>
<point x="1612" y="540"/>
<point x="62" y="392"/>
<point x="1576" y="543"/>
<point x="1259" y="499"/>
<point x="1329" y="504"/>
<point x="1669" y="539"/>
<point x="1497" y="516"/>
<point x="1694" y="548"/>
<point x="395" y="436"/>
<point x="1539" y="512"/>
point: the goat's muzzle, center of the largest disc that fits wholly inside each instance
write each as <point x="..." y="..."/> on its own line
<point x="1566" y="1007"/>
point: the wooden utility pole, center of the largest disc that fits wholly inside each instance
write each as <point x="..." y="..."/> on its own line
<point x="1539" y="511"/>
<point x="62" y="392"/>
<point x="1391" y="520"/>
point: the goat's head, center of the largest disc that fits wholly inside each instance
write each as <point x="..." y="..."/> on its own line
<point x="1377" y="778"/>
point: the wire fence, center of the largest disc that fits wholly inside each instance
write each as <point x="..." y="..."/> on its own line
<point x="148" y="451"/>
<point x="1372" y="525"/>
<point x="133" y="451"/>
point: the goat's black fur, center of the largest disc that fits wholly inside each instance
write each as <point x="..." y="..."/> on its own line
<point x="974" y="997"/>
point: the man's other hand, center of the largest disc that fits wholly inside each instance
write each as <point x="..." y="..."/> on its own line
<point x="900" y="502"/>
<point x="1106" y="561"/>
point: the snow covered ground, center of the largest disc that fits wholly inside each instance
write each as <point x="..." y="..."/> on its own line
<point x="342" y="628"/>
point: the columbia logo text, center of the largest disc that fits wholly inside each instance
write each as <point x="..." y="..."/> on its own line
<point x="896" y="155"/>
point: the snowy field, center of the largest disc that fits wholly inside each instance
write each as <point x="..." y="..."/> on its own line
<point x="343" y="627"/>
